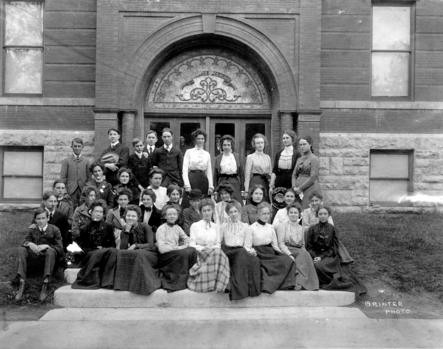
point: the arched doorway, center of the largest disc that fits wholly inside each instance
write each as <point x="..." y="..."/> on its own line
<point x="215" y="88"/>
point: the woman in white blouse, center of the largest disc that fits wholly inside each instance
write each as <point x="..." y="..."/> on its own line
<point x="229" y="167"/>
<point x="237" y="245"/>
<point x="278" y="269"/>
<point x="211" y="272"/>
<point x="284" y="162"/>
<point x="197" y="168"/>
<point x="258" y="167"/>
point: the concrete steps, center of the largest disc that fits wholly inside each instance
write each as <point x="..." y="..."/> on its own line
<point x="79" y="298"/>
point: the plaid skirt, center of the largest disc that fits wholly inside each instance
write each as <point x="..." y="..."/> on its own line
<point x="278" y="271"/>
<point x="211" y="272"/>
<point x="135" y="271"/>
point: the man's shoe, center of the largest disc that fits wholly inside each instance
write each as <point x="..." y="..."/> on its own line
<point x="44" y="292"/>
<point x="21" y="290"/>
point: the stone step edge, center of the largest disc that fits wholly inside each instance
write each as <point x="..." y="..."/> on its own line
<point x="200" y="314"/>
<point x="68" y="297"/>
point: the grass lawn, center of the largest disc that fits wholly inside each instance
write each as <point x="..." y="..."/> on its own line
<point x="398" y="257"/>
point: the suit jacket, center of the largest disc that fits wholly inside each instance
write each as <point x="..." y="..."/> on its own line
<point x="240" y="171"/>
<point x="156" y="217"/>
<point x="171" y="162"/>
<point x="140" y="167"/>
<point x="123" y="155"/>
<point x="74" y="173"/>
<point x="140" y="234"/>
<point x="295" y="156"/>
<point x="51" y="237"/>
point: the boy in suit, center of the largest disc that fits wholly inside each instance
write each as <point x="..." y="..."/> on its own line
<point x="75" y="171"/>
<point x="121" y="151"/>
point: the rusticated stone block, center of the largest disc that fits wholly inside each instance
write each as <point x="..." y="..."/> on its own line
<point x="336" y="165"/>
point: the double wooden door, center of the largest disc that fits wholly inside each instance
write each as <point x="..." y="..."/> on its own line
<point x="241" y="129"/>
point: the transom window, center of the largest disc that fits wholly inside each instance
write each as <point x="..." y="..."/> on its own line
<point x="391" y="51"/>
<point x="23" y="47"/>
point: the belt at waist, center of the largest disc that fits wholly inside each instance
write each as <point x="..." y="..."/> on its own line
<point x="264" y="175"/>
<point x="196" y="171"/>
<point x="229" y="175"/>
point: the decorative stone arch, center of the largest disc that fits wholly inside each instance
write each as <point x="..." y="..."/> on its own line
<point x="147" y="57"/>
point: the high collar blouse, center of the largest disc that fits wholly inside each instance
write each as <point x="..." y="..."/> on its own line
<point x="204" y="234"/>
<point x="289" y="234"/>
<point x="264" y="235"/>
<point x="197" y="159"/>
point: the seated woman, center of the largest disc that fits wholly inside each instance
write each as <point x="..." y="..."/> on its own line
<point x="225" y="192"/>
<point x="236" y="241"/>
<point x="278" y="271"/>
<point x="150" y="214"/>
<point x="81" y="215"/>
<point x="176" y="257"/>
<point x="309" y="218"/>
<point x="174" y="193"/>
<point x="155" y="179"/>
<point x="65" y="205"/>
<point x="291" y="242"/>
<point x="42" y="241"/>
<point x="127" y="181"/>
<point x="97" y="241"/>
<point x="137" y="256"/>
<point x="98" y="181"/>
<point x="322" y="245"/>
<point x="249" y="212"/>
<point x="282" y="214"/>
<point x="116" y="216"/>
<point x="192" y="214"/>
<point x="211" y="272"/>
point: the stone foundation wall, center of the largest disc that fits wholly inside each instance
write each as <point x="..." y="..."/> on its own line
<point x="56" y="143"/>
<point x="344" y="168"/>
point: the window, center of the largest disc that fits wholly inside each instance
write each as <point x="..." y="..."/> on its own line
<point x="23" y="47"/>
<point x="391" y="51"/>
<point x="20" y="182"/>
<point x="390" y="175"/>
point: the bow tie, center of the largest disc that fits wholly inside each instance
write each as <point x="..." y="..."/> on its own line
<point x="147" y="209"/>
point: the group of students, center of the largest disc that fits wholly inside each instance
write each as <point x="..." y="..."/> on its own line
<point x="151" y="220"/>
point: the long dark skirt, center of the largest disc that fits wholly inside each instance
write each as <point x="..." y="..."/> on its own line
<point x="278" y="271"/>
<point x="135" y="271"/>
<point x="245" y="273"/>
<point x="234" y="181"/>
<point x="174" y="267"/>
<point x="283" y="178"/>
<point x="197" y="180"/>
<point x="97" y="269"/>
<point x="262" y="180"/>
<point x="306" y="274"/>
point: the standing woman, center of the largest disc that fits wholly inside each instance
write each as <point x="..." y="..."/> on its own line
<point x="305" y="175"/>
<point x="197" y="168"/>
<point x="229" y="168"/>
<point x="211" y="272"/>
<point x="258" y="166"/>
<point x="284" y="162"/>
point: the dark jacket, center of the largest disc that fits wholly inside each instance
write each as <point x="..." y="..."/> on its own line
<point x="240" y="170"/>
<point x="156" y="217"/>
<point x="132" y="186"/>
<point x="51" y="237"/>
<point x="190" y="216"/>
<point x="104" y="191"/>
<point x="123" y="156"/>
<point x="96" y="234"/>
<point x="80" y="219"/>
<point x="171" y="162"/>
<point x="140" y="167"/>
<point x="321" y="241"/>
<point x="295" y="156"/>
<point x="141" y="235"/>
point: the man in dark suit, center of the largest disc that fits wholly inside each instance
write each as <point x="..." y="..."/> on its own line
<point x="169" y="159"/>
<point x="42" y="241"/>
<point x="75" y="171"/>
<point x="112" y="164"/>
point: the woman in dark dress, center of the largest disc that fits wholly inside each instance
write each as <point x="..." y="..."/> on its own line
<point x="97" y="242"/>
<point x="284" y="162"/>
<point x="322" y="245"/>
<point x="150" y="214"/>
<point x="176" y="257"/>
<point x="127" y="181"/>
<point x="98" y="181"/>
<point x="137" y="258"/>
<point x="256" y="196"/>
<point x="229" y="168"/>
<point x="278" y="270"/>
<point x="236" y="241"/>
<point x="305" y="175"/>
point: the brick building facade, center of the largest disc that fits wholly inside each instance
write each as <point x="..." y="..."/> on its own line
<point x="231" y="67"/>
